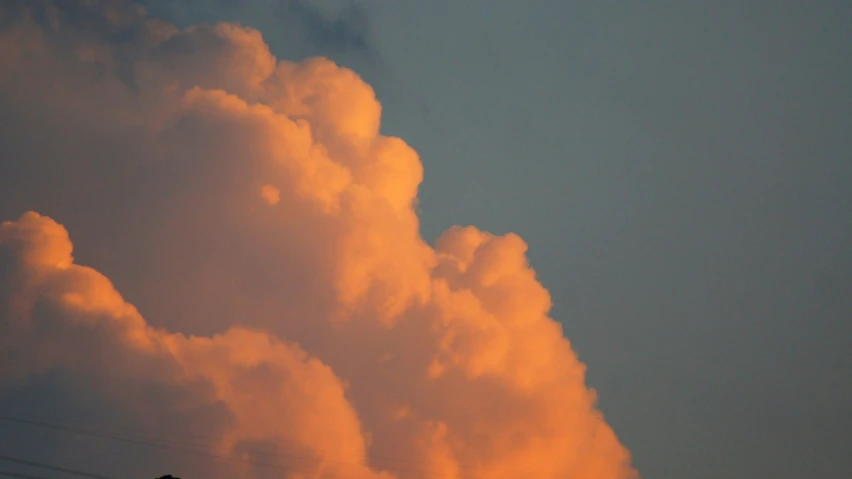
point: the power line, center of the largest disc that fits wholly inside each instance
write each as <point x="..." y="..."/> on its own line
<point x="21" y="476"/>
<point x="166" y="446"/>
<point x="99" y="430"/>
<point x="52" y="468"/>
<point x="181" y="446"/>
<point x="376" y="461"/>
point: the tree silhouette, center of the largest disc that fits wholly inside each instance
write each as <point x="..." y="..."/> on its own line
<point x="168" y="477"/>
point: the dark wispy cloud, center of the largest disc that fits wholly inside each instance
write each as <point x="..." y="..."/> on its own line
<point x="338" y="30"/>
<point x="345" y="32"/>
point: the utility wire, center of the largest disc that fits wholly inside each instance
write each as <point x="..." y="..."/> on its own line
<point x="21" y="476"/>
<point x="52" y="468"/>
<point x="161" y="445"/>
<point x="204" y="451"/>
<point x="173" y="439"/>
<point x="377" y="461"/>
<point x="199" y="441"/>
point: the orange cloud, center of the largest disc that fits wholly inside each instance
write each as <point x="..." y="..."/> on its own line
<point x="273" y="391"/>
<point x="270" y="194"/>
<point x="325" y="323"/>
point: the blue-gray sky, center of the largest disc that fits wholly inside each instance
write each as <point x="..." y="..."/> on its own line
<point x="682" y="173"/>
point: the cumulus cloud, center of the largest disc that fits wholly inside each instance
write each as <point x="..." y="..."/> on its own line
<point x="64" y="316"/>
<point x="252" y="210"/>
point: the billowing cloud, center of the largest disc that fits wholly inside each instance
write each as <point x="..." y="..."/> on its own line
<point x="252" y="210"/>
<point x="60" y="315"/>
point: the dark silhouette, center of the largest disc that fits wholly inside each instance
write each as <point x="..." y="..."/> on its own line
<point x="168" y="477"/>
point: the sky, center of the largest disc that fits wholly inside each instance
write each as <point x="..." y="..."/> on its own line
<point x="677" y="174"/>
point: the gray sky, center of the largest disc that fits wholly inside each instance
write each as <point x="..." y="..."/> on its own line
<point x="682" y="172"/>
